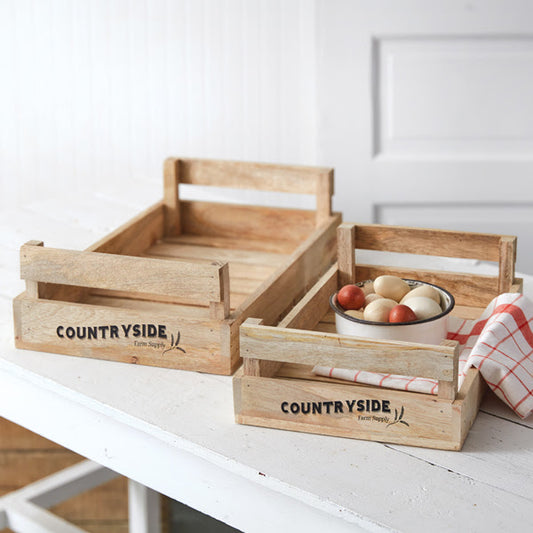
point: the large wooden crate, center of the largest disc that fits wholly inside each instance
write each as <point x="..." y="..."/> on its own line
<point x="171" y="287"/>
<point x="276" y="387"/>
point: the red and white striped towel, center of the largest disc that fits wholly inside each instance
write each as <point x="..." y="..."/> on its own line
<point x="499" y="344"/>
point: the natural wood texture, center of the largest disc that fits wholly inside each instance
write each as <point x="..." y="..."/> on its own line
<point x="447" y="389"/>
<point x="183" y="266"/>
<point x="199" y="283"/>
<point x="234" y="243"/>
<point x="198" y="253"/>
<point x="507" y="259"/>
<point x="324" y="193"/>
<point x="345" y="253"/>
<point x="200" y="338"/>
<point x="423" y="241"/>
<point x="463" y="311"/>
<point x="219" y="310"/>
<point x="171" y="196"/>
<point x="259" y="367"/>
<point x="343" y="351"/>
<point x="430" y="420"/>
<point x="32" y="287"/>
<point x="309" y="310"/>
<point x="246" y="222"/>
<point x="294" y="398"/>
<point x="135" y="235"/>
<point x="246" y="175"/>
<point x="283" y="288"/>
<point x="470" y="396"/>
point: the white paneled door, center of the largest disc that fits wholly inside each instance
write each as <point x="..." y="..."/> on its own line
<point x="426" y="112"/>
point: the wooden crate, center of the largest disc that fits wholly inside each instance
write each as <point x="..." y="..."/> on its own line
<point x="276" y="387"/>
<point x="171" y="287"/>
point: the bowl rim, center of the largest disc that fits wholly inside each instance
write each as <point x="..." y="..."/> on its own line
<point x="339" y="311"/>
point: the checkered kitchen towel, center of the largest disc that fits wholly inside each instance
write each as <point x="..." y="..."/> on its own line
<point x="499" y="343"/>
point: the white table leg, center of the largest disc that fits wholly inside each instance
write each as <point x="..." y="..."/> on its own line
<point x="144" y="509"/>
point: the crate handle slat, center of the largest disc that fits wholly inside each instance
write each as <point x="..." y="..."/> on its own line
<point x="287" y="345"/>
<point x="244" y="175"/>
<point x="205" y="284"/>
<point x="482" y="246"/>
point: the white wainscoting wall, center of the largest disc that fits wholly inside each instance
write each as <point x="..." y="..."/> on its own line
<point x="423" y="108"/>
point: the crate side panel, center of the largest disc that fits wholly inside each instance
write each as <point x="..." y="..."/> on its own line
<point x="408" y="418"/>
<point x="173" y="341"/>
<point x="289" y="283"/>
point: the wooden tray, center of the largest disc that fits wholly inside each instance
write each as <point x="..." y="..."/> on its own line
<point x="171" y="287"/>
<point x="276" y="387"/>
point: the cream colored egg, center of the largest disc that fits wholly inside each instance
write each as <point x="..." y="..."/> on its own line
<point x="391" y="287"/>
<point x="371" y="297"/>
<point x="368" y="287"/>
<point x="424" y="307"/>
<point x="356" y="313"/>
<point x="378" y="310"/>
<point x="422" y="290"/>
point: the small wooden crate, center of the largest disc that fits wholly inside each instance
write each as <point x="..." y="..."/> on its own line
<point x="171" y="287"/>
<point x="276" y="387"/>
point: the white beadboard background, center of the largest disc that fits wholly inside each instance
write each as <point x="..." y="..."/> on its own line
<point x="103" y="90"/>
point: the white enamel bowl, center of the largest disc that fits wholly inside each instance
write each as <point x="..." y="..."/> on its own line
<point x="429" y="331"/>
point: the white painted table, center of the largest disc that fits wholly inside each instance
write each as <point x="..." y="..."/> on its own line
<point x="173" y="431"/>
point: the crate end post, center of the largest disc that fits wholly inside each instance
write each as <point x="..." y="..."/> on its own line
<point x="32" y="286"/>
<point x="220" y="309"/>
<point x="171" y="200"/>
<point x="507" y="261"/>
<point x="447" y="390"/>
<point x="324" y="192"/>
<point x="346" y="236"/>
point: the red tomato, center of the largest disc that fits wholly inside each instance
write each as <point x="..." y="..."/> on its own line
<point x="351" y="297"/>
<point x="402" y="313"/>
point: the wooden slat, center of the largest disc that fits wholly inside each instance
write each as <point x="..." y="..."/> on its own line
<point x="311" y="308"/>
<point x="326" y="327"/>
<point x="212" y="241"/>
<point x="467" y="312"/>
<point x="106" y="271"/>
<point x="247" y="222"/>
<point x="134" y="236"/>
<point x="171" y="196"/>
<point x="259" y="367"/>
<point x="186" y="252"/>
<point x="247" y="175"/>
<point x="346" y="253"/>
<point x="123" y="300"/>
<point x="325" y="349"/>
<point x="289" y="282"/>
<point x="242" y="274"/>
<point x="467" y="289"/>
<point x="428" y="241"/>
